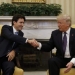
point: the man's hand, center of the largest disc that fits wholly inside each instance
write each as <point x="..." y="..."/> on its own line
<point x="69" y="66"/>
<point x="33" y="42"/>
<point x="11" y="55"/>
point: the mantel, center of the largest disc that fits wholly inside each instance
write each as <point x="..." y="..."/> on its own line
<point x="30" y="17"/>
<point x="38" y="27"/>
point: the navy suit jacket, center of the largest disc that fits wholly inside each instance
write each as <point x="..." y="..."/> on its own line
<point x="7" y="39"/>
<point x="56" y="41"/>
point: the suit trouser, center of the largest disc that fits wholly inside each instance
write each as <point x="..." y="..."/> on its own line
<point x="6" y="66"/>
<point x="56" y="63"/>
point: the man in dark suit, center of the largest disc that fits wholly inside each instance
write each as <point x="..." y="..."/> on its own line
<point x="11" y="37"/>
<point x="64" y="41"/>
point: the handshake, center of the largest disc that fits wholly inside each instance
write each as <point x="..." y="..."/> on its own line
<point x="33" y="42"/>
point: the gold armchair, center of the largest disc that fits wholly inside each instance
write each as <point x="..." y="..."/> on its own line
<point x="72" y="71"/>
<point x="17" y="71"/>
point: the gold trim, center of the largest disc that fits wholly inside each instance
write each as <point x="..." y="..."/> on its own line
<point x="28" y="1"/>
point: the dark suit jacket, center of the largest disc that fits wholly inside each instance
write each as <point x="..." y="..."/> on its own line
<point x="7" y="39"/>
<point x="56" y="41"/>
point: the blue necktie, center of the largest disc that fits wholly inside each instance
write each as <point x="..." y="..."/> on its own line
<point x="64" y="41"/>
<point x="16" y="33"/>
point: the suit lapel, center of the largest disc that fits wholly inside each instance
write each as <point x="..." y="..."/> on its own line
<point x="20" y="33"/>
<point x="71" y="38"/>
<point x="11" y="29"/>
<point x="71" y="35"/>
<point x="59" y="36"/>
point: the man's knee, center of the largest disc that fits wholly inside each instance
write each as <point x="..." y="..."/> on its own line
<point x="8" y="66"/>
<point x="52" y="60"/>
<point x="11" y="66"/>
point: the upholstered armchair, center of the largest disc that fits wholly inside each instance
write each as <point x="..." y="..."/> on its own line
<point x="17" y="71"/>
<point x="72" y="71"/>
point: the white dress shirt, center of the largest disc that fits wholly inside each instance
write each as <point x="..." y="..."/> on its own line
<point x="67" y="52"/>
<point x="14" y="30"/>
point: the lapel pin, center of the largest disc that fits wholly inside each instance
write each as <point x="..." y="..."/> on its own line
<point x="72" y="35"/>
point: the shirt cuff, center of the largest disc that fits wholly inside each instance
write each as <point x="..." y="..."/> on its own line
<point x="73" y="61"/>
<point x="26" y="40"/>
<point x="40" y="45"/>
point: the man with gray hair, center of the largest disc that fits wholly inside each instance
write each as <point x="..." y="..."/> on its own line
<point x="64" y="41"/>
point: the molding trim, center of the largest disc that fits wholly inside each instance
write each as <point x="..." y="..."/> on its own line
<point x="31" y="17"/>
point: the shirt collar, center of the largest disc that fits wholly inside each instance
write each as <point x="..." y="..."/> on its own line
<point x="68" y="31"/>
<point x="14" y="30"/>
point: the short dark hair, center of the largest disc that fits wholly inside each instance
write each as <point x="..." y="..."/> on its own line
<point x="16" y="17"/>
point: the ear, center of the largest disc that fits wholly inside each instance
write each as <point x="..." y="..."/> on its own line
<point x="14" y="22"/>
<point x="68" y="23"/>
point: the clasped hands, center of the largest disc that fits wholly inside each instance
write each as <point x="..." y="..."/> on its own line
<point x="11" y="54"/>
<point x="33" y="42"/>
